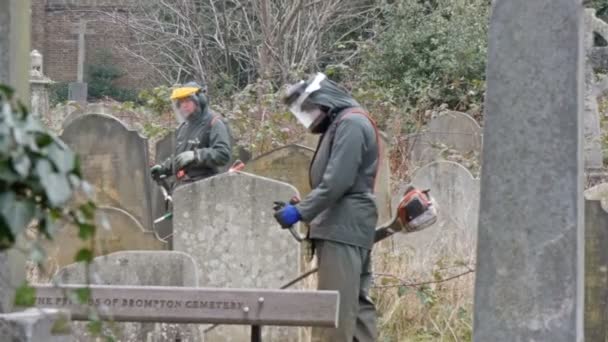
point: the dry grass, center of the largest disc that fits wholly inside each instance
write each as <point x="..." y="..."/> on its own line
<point x="424" y="285"/>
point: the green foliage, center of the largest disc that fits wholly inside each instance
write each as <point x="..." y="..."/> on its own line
<point x="156" y="99"/>
<point x="58" y="93"/>
<point x="38" y="174"/>
<point x="432" y="52"/>
<point x="601" y="7"/>
<point x="101" y="78"/>
<point x="25" y="296"/>
<point x="41" y="186"/>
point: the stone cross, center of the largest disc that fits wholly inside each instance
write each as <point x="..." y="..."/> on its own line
<point x="81" y="31"/>
<point x="530" y="251"/>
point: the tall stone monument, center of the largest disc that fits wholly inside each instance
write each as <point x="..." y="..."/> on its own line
<point x="529" y="276"/>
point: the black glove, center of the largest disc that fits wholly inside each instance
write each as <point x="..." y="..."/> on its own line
<point x="184" y="159"/>
<point x="156" y="171"/>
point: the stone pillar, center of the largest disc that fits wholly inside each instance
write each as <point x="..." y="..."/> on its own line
<point x="39" y="85"/>
<point x="593" y="132"/>
<point x="596" y="263"/>
<point x="529" y="276"/>
<point x="15" y="45"/>
<point x="14" y="66"/>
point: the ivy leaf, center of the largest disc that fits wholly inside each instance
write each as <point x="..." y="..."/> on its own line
<point x="86" y="231"/>
<point x="56" y="186"/>
<point x="63" y="159"/>
<point x="85" y="255"/>
<point x="15" y="213"/>
<point x="88" y="210"/>
<point x="25" y="296"/>
<point x="83" y="295"/>
<point x="22" y="165"/>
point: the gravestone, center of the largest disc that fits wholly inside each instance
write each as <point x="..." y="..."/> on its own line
<point x="383" y="182"/>
<point x="124" y="233"/>
<point x="164" y="229"/>
<point x="449" y="130"/>
<point x="78" y="92"/>
<point x="131" y="119"/>
<point x="138" y="268"/>
<point x="288" y="164"/>
<point x="529" y="275"/>
<point x="36" y="325"/>
<point x="456" y="193"/>
<point x="596" y="263"/>
<point x="593" y="132"/>
<point x="310" y="140"/>
<point x="115" y="160"/>
<point x="226" y="223"/>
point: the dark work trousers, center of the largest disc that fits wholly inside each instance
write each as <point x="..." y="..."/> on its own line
<point x="347" y="269"/>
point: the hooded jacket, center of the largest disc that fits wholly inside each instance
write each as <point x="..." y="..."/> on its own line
<point x="341" y="207"/>
<point x="207" y="135"/>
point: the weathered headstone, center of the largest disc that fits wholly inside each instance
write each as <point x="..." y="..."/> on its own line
<point x="449" y="130"/>
<point x="529" y="275"/>
<point x="593" y="132"/>
<point x="124" y="233"/>
<point x="115" y="160"/>
<point x="129" y="118"/>
<point x="164" y="229"/>
<point x="596" y="263"/>
<point x="383" y="182"/>
<point x="456" y="193"/>
<point x="138" y="268"/>
<point x="289" y="164"/>
<point x="36" y="325"/>
<point x="226" y="223"/>
<point x="310" y="140"/>
<point x="78" y="92"/>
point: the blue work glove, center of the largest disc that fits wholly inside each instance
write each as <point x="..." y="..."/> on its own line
<point x="287" y="216"/>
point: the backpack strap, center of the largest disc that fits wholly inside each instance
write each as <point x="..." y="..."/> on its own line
<point x="378" y="142"/>
<point x="214" y="120"/>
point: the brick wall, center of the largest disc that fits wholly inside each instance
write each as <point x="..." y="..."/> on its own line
<point x="54" y="27"/>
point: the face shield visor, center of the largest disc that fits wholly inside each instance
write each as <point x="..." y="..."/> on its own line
<point x="183" y="102"/>
<point x="306" y="113"/>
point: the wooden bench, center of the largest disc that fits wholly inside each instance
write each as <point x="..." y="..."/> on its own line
<point x="197" y="305"/>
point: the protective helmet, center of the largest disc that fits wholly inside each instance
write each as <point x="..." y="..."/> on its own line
<point x="192" y="91"/>
<point x="296" y="97"/>
<point x="305" y="99"/>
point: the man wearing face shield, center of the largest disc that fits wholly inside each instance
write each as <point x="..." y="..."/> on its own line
<point x="202" y="144"/>
<point x="341" y="208"/>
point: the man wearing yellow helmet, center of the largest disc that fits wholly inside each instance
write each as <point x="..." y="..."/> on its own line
<point x="202" y="145"/>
